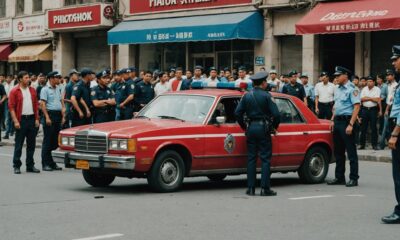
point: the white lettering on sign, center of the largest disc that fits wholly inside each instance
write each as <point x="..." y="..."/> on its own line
<point x="164" y="3"/>
<point x="345" y="15"/>
<point x="73" y="18"/>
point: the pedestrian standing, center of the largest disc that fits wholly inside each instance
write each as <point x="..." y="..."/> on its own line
<point x="213" y="79"/>
<point x="198" y="72"/>
<point x="127" y="105"/>
<point x="53" y="114"/>
<point x="80" y="100"/>
<point x="263" y="114"/>
<point x="294" y="88"/>
<point x="309" y="90"/>
<point x="67" y="94"/>
<point x="384" y="92"/>
<point x="394" y="142"/>
<point x="118" y="87"/>
<point x="324" y="95"/>
<point x="162" y="86"/>
<point x="144" y="92"/>
<point x="23" y="105"/>
<point x="274" y="80"/>
<point x="370" y="111"/>
<point x="9" y="84"/>
<point x="242" y="77"/>
<point x="177" y="84"/>
<point x="392" y="84"/>
<point x="3" y="98"/>
<point x="103" y="99"/>
<point x="346" y="108"/>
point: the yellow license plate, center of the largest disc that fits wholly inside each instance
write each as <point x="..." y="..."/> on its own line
<point x="82" y="164"/>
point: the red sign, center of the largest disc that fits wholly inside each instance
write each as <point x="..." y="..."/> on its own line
<point x="147" y="6"/>
<point x="75" y="17"/>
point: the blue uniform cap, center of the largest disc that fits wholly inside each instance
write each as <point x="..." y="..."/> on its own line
<point x="198" y="67"/>
<point x="242" y="68"/>
<point x="133" y="69"/>
<point x="370" y="78"/>
<point x="324" y="74"/>
<point x="73" y="71"/>
<point x="259" y="77"/>
<point x="125" y="70"/>
<point x="396" y="52"/>
<point x="103" y="73"/>
<point x="117" y="72"/>
<point x="389" y="72"/>
<point x="54" y="74"/>
<point x="342" y="70"/>
<point x="304" y="75"/>
<point x="86" y="71"/>
<point x="213" y="69"/>
<point x="293" y="72"/>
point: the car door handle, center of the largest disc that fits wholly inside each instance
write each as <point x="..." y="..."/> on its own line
<point x="305" y="133"/>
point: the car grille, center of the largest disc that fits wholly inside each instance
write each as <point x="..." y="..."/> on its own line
<point x="91" y="142"/>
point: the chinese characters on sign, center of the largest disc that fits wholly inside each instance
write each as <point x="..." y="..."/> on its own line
<point x="6" y="29"/>
<point x="29" y="28"/>
<point x="353" y="27"/>
<point x="168" y="36"/>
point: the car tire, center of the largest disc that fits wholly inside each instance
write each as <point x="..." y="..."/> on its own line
<point x="97" y="179"/>
<point x="167" y="172"/>
<point x="217" y="177"/>
<point x="315" y="166"/>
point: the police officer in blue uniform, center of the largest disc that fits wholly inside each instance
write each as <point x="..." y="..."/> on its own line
<point x="346" y="109"/>
<point x="103" y="99"/>
<point x="394" y="142"/>
<point x="80" y="99"/>
<point x="53" y="111"/>
<point x="294" y="88"/>
<point x="127" y="103"/>
<point x="263" y="117"/>
<point x="73" y="79"/>
<point x="144" y="92"/>
<point x="118" y="87"/>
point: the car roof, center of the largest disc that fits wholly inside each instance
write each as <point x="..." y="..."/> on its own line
<point x="218" y="93"/>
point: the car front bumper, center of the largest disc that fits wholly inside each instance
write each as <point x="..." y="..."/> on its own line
<point x="95" y="160"/>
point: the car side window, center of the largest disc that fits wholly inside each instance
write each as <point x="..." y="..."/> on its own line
<point x="289" y="114"/>
<point x="226" y="108"/>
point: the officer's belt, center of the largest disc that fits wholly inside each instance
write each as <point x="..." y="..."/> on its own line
<point x="343" y="118"/>
<point x="257" y="121"/>
<point x="369" y="108"/>
<point x="103" y="110"/>
<point x="326" y="104"/>
<point x="53" y="112"/>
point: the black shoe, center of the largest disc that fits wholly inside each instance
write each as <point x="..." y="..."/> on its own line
<point x="375" y="148"/>
<point x="17" y="171"/>
<point x="6" y="137"/>
<point x="336" y="182"/>
<point x="33" y="170"/>
<point x="251" y="191"/>
<point x="361" y="148"/>
<point x="56" y="167"/>
<point x="47" y="168"/>
<point x="392" y="219"/>
<point x="267" y="192"/>
<point x="352" y="183"/>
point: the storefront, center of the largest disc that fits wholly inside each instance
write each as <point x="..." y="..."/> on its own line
<point x="360" y="39"/>
<point x="5" y="45"/>
<point x="171" y="37"/>
<point x="33" y="45"/>
<point x="81" y="36"/>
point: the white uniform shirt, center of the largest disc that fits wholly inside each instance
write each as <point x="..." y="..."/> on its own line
<point x="325" y="92"/>
<point x="161" y="88"/>
<point x="8" y="87"/>
<point x="375" y="92"/>
<point x="27" y="106"/>
<point x="391" y="89"/>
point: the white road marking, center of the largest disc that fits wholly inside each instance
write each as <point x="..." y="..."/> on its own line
<point x="355" y="195"/>
<point x="311" y="197"/>
<point x="114" y="235"/>
<point x="6" y="155"/>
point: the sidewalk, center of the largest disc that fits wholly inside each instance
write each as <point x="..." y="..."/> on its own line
<point x="363" y="155"/>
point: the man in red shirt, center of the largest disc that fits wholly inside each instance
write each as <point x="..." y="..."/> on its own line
<point x="178" y="84"/>
<point x="23" y="106"/>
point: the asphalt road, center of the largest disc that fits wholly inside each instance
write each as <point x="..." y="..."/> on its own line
<point x="60" y="205"/>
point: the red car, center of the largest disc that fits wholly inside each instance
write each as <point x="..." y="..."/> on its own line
<point x="193" y="133"/>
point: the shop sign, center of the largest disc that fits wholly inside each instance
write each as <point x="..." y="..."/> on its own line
<point x="259" y="61"/>
<point x="29" y="28"/>
<point x="6" y="29"/>
<point x="147" y="6"/>
<point x="86" y="16"/>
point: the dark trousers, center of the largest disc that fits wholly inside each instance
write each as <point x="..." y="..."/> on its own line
<point x="369" y="118"/>
<point x="127" y="113"/>
<point x="311" y="104"/>
<point x="396" y="168"/>
<point x="342" y="143"/>
<point x="77" y="121"/>
<point x="258" y="142"/>
<point x="50" y="137"/>
<point x="27" y="131"/>
<point x="325" y="110"/>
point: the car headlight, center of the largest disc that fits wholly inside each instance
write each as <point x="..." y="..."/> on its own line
<point x="68" y="141"/>
<point x="123" y="145"/>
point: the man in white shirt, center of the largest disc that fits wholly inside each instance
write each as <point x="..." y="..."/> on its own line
<point x="162" y="86"/>
<point x="213" y="79"/>
<point x="198" y="71"/>
<point x="324" y="95"/>
<point x="242" y="77"/>
<point x="274" y="80"/>
<point x="8" y="85"/>
<point x="391" y="85"/>
<point x="371" y="105"/>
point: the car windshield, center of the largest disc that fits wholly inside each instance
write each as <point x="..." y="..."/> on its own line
<point x="179" y="107"/>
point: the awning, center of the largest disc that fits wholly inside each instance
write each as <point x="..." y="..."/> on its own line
<point x="5" y="50"/>
<point x="247" y="25"/>
<point x="351" y="16"/>
<point x="32" y="53"/>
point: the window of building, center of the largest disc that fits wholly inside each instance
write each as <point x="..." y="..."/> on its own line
<point x="20" y="8"/>
<point x="2" y="8"/>
<point x="37" y="5"/>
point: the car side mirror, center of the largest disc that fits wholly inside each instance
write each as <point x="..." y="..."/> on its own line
<point x="221" y="120"/>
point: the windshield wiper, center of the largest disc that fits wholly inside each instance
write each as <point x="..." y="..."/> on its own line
<point x="142" y="116"/>
<point x="170" y="117"/>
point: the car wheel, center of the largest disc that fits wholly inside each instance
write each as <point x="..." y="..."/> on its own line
<point x="97" y="179"/>
<point x="167" y="172"/>
<point x="217" y="177"/>
<point x="315" y="166"/>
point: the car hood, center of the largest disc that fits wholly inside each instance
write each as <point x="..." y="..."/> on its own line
<point x="131" y="128"/>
